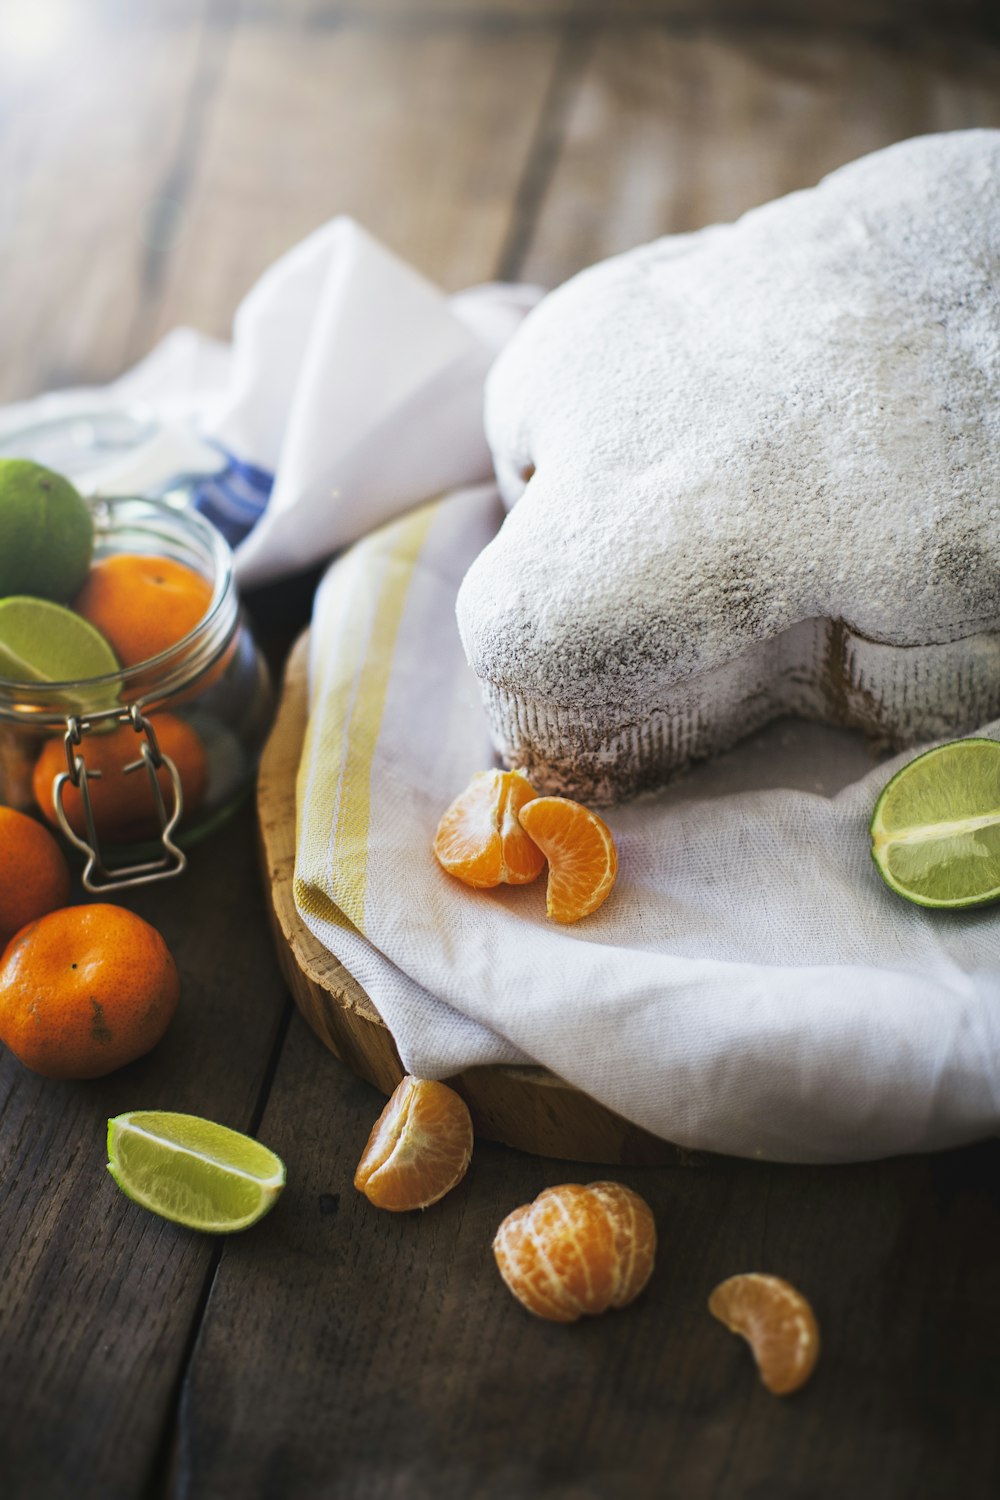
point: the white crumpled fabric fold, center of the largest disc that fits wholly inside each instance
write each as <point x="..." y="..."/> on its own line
<point x="351" y="382"/>
<point x="751" y="986"/>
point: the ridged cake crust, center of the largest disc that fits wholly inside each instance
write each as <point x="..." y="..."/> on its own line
<point x="757" y="471"/>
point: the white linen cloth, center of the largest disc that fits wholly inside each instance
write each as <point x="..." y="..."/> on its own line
<point x="350" y="380"/>
<point x="750" y="986"/>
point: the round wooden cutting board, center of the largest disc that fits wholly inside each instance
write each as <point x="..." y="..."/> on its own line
<point x="525" y="1107"/>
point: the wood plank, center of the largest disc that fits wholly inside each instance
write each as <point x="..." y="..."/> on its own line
<point x="486" y="14"/>
<point x="792" y="15"/>
<point x="90" y="125"/>
<point x="97" y="1296"/>
<point x="421" y="137"/>
<point x="666" y="132"/>
<point x="876" y="15"/>
<point x="351" y="1352"/>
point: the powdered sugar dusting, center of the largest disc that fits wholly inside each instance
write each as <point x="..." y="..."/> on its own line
<point x="791" y="418"/>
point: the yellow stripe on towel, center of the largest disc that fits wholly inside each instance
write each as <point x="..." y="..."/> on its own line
<point x="352" y="672"/>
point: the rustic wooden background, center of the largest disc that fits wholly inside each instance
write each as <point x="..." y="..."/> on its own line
<point x="155" y="156"/>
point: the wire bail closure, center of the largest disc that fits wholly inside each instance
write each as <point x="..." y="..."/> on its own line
<point x="98" y="877"/>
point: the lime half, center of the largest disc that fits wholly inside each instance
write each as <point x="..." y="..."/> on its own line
<point x="193" y="1171"/>
<point x="44" y="642"/>
<point x="936" y="827"/>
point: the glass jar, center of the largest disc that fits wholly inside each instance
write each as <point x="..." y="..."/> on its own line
<point x="199" y="713"/>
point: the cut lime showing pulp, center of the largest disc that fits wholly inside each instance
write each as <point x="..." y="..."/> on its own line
<point x="44" y="642"/>
<point x="193" y="1171"/>
<point x="936" y="827"/>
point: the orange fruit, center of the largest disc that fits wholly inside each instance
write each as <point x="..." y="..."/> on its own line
<point x="776" y="1321"/>
<point x="142" y="605"/>
<point x="577" y="1251"/>
<point x="85" y="990"/>
<point x="34" y="876"/>
<point x="480" y="841"/>
<point x="583" y="861"/>
<point x="123" y="803"/>
<point x="419" y="1149"/>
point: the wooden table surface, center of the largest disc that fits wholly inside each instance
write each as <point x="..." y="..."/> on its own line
<point x="154" y="159"/>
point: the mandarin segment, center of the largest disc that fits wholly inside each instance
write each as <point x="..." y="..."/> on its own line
<point x="480" y="840"/>
<point x="84" y="990"/>
<point x="583" y="860"/>
<point x="34" y="875"/>
<point x="776" y="1321"/>
<point x="579" y="1245"/>
<point x="634" y="1234"/>
<point x="419" y="1148"/>
<point x="528" y="1271"/>
<point x="576" y="1251"/>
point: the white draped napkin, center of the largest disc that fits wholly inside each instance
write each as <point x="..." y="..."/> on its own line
<point x="750" y="986"/>
<point x="352" y="389"/>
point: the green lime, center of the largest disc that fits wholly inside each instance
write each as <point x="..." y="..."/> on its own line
<point x="46" y="532"/>
<point x="936" y="827"/>
<point x="193" y="1171"/>
<point x="45" y="642"/>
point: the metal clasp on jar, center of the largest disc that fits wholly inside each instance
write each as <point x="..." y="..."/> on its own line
<point x="97" y="875"/>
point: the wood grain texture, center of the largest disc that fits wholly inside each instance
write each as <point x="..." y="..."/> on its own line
<point x="422" y="138"/>
<point x="880" y="16"/>
<point x="529" y="1108"/>
<point x="96" y="1295"/>
<point x="357" y="1354"/>
<point x="665" y="132"/>
<point x="151" y="167"/>
<point x="90" y="130"/>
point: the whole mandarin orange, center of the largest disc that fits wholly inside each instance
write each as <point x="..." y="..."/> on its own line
<point x="123" y="804"/>
<point x="34" y="875"/>
<point x="85" y="990"/>
<point x="142" y="605"/>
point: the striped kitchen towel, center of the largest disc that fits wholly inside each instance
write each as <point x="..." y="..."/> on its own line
<point x="750" y="986"/>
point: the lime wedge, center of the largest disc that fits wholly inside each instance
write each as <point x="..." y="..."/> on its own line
<point x="193" y="1171"/>
<point x="45" y="642"/>
<point x="936" y="827"/>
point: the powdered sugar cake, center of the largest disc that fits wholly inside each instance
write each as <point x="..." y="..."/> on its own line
<point x="757" y="471"/>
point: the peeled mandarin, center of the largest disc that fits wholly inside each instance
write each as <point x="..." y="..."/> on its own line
<point x="776" y="1321"/>
<point x="576" y="1251"/>
<point x="419" y="1148"/>
<point x="580" y="849"/>
<point x="480" y="839"/>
